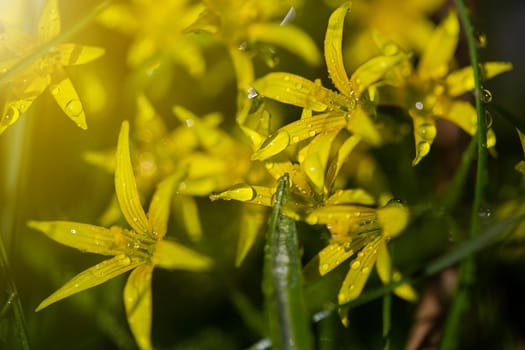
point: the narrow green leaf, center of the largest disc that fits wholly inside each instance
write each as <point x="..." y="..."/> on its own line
<point x="282" y="281"/>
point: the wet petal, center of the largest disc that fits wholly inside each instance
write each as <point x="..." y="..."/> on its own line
<point x="171" y="255"/>
<point x="73" y="54"/>
<point x="91" y="277"/>
<point x="298" y="131"/>
<point x="85" y="237"/>
<point x="424" y="134"/>
<point x="295" y="90"/>
<point x="360" y="268"/>
<point x="67" y="98"/>
<point x="288" y="37"/>
<point x="462" y="80"/>
<point x="260" y="195"/>
<point x="126" y="186"/>
<point x="137" y="300"/>
<point x="333" y="49"/>
<point x="345" y="220"/>
<point x="440" y="50"/>
<point x="49" y="22"/>
<point x="375" y="71"/>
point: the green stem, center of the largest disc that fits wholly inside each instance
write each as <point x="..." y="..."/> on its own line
<point x="467" y="271"/>
<point x="460" y="177"/>
<point x="387" y="317"/>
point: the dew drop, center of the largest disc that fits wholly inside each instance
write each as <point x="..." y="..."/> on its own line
<point x="324" y="268"/>
<point x="252" y="93"/>
<point x="298" y="86"/>
<point x="486" y="96"/>
<point x="419" y="105"/>
<point x="73" y="231"/>
<point x="355" y="264"/>
<point x="423" y="148"/>
<point x="488" y="119"/>
<point x="11" y="114"/>
<point x="390" y="49"/>
<point x="311" y="133"/>
<point x="286" y="78"/>
<point x="295" y="139"/>
<point x="54" y="89"/>
<point x="481" y="39"/>
<point x="365" y="270"/>
<point x="427" y="131"/>
<point x="352" y="287"/>
<point x="74" y="108"/>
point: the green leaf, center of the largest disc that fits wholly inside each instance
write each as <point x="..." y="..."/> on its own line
<point x="282" y="280"/>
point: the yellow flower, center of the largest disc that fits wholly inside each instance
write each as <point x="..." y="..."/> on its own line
<point x="248" y="27"/>
<point x="157" y="28"/>
<point x="432" y="90"/>
<point x="407" y="23"/>
<point x="140" y="248"/>
<point x="349" y="108"/>
<point x="45" y="71"/>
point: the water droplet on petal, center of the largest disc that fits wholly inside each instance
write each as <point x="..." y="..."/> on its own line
<point x="486" y="96"/>
<point x="54" y="89"/>
<point x="488" y="119"/>
<point x="252" y="93"/>
<point x="74" y="108"/>
<point x="73" y="231"/>
<point x="427" y="131"/>
<point x="390" y="49"/>
<point x="481" y="39"/>
<point x="423" y="148"/>
<point x="355" y="264"/>
<point x="419" y="105"/>
<point x="12" y="113"/>
<point x="323" y="268"/>
<point x="365" y="270"/>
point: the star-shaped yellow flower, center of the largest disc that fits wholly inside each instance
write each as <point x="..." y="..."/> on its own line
<point x="348" y="108"/>
<point x="45" y="71"/>
<point x="141" y="248"/>
<point x="432" y="90"/>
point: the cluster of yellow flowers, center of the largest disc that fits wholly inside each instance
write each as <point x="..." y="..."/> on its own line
<point x="200" y="158"/>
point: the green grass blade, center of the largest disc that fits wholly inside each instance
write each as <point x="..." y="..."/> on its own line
<point x="18" y="312"/>
<point x="289" y="325"/>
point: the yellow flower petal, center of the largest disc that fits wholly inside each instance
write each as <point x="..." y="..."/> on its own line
<point x="92" y="277"/>
<point x="170" y="255"/>
<point x="384" y="270"/>
<point x="243" y="66"/>
<point x="345" y="220"/>
<point x="374" y="71"/>
<point x="119" y="17"/>
<point x="314" y="158"/>
<point x="159" y="210"/>
<point x="245" y="193"/>
<point x="351" y="196"/>
<point x="137" y="300"/>
<point x="85" y="237"/>
<point x="298" y="131"/>
<point x="438" y="54"/>
<point x="67" y="98"/>
<point x="49" y="22"/>
<point x="253" y="218"/>
<point x="126" y="186"/>
<point x="288" y="37"/>
<point x="342" y="154"/>
<point x="189" y="212"/>
<point x="463" y="114"/>
<point x="360" y="124"/>
<point x="333" y="49"/>
<point x="295" y="90"/>
<point x="360" y="268"/>
<point x="462" y="80"/>
<point x="394" y="218"/>
<point x="424" y="134"/>
<point x="73" y="54"/>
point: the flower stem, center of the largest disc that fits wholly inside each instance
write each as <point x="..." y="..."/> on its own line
<point x="467" y="271"/>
